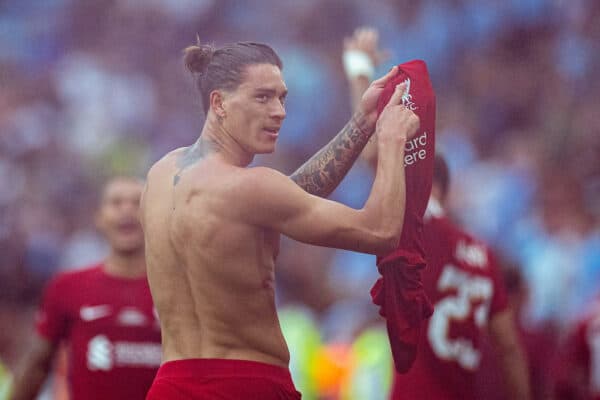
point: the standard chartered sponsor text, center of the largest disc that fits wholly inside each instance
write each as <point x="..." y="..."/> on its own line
<point x="415" y="150"/>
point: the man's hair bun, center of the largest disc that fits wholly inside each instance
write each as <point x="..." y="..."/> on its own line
<point x="196" y="58"/>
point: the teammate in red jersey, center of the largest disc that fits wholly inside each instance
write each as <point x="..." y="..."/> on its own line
<point x="104" y="313"/>
<point x="462" y="281"/>
<point x="578" y="369"/>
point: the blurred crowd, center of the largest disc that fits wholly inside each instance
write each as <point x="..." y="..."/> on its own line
<point x="90" y="89"/>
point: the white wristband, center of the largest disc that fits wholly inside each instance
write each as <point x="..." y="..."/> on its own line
<point x="358" y="63"/>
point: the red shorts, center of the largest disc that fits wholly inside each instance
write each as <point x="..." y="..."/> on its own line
<point x="222" y="379"/>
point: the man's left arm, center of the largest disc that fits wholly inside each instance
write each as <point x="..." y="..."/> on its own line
<point x="323" y="172"/>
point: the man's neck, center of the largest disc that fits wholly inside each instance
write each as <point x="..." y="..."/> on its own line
<point x="224" y="143"/>
<point x="132" y="265"/>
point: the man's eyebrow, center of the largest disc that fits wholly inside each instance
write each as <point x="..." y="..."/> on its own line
<point x="269" y="91"/>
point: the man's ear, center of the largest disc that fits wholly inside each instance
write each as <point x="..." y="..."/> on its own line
<point x="217" y="99"/>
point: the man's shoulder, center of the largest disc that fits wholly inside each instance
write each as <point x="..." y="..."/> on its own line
<point x="256" y="179"/>
<point x="464" y="247"/>
<point x="262" y="171"/>
<point x="68" y="286"/>
<point x="475" y="255"/>
<point x="445" y="227"/>
<point x="456" y="232"/>
<point x="164" y="161"/>
<point x="253" y="194"/>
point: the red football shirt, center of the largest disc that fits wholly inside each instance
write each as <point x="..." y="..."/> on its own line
<point x="111" y="331"/>
<point x="463" y="282"/>
<point x="419" y="158"/>
<point x="399" y="292"/>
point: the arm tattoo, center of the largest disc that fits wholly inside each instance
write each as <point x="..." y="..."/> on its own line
<point x="323" y="172"/>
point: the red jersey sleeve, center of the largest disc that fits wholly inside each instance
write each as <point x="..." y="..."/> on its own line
<point x="52" y="316"/>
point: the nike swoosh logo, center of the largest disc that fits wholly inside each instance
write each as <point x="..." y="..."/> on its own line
<point x="91" y="313"/>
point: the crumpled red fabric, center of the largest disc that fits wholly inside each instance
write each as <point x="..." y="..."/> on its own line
<point x="399" y="292"/>
<point x="405" y="306"/>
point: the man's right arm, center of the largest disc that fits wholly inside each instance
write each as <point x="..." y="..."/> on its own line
<point x="34" y="369"/>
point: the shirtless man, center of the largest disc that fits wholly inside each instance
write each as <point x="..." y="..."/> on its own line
<point x="212" y="225"/>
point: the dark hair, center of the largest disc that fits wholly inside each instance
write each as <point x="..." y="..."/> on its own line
<point x="223" y="68"/>
<point x="441" y="174"/>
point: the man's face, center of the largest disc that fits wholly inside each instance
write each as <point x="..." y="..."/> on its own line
<point x="255" y="110"/>
<point x="118" y="217"/>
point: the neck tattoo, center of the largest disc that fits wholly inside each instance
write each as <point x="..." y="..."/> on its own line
<point x="192" y="154"/>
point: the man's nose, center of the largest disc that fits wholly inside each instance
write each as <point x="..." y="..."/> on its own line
<point x="278" y="111"/>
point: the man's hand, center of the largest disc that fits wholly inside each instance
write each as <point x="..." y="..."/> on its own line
<point x="368" y="102"/>
<point x="396" y="121"/>
<point x="366" y="40"/>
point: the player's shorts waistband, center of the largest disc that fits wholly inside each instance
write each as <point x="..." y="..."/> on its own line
<point x="222" y="368"/>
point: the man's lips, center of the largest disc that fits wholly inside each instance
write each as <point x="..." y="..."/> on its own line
<point x="272" y="133"/>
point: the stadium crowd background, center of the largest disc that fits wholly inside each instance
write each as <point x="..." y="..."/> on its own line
<point x="94" y="88"/>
